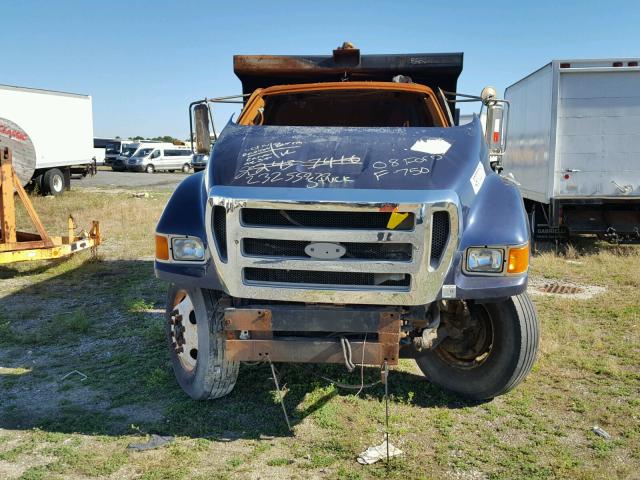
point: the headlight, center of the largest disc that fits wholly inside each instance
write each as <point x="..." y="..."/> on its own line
<point x="485" y="260"/>
<point x="190" y="248"/>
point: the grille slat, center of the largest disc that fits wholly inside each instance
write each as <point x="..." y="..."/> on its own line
<point x="382" y="266"/>
<point x="258" y="217"/>
<point x="326" y="278"/>
<point x="260" y="247"/>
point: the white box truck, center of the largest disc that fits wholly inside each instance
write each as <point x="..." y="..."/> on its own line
<point x="574" y="147"/>
<point x="50" y="133"/>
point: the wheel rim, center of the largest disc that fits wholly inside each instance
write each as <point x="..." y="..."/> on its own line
<point x="150" y="169"/>
<point x="57" y="183"/>
<point x="473" y="344"/>
<point x="185" y="169"/>
<point x="184" y="331"/>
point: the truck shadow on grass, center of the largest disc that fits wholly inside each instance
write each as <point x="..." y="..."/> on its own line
<point x="104" y="319"/>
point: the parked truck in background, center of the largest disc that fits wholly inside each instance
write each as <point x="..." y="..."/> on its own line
<point x="344" y="218"/>
<point x="115" y="148"/>
<point x="50" y="133"/>
<point x="574" y="147"/>
<point x="119" y="162"/>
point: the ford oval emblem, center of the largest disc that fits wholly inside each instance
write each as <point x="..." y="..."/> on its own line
<point x="325" y="251"/>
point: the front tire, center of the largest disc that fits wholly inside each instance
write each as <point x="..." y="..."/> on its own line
<point x="150" y="169"/>
<point x="197" y="345"/>
<point x="186" y="168"/>
<point x="494" y="350"/>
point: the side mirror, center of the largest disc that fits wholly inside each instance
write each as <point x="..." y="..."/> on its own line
<point x="496" y="125"/>
<point x="495" y="131"/>
<point x="203" y="137"/>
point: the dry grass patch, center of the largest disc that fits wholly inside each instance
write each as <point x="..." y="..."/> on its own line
<point x="127" y="222"/>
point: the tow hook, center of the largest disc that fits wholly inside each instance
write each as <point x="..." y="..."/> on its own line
<point x="432" y="334"/>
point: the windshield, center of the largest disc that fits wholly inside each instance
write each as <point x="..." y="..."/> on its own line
<point x="347" y="108"/>
<point x="128" y="151"/>
<point x="143" y="152"/>
<point x="112" y="148"/>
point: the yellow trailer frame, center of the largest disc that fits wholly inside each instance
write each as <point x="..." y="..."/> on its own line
<point x="16" y="246"/>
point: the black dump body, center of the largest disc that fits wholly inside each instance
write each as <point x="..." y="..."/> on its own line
<point x="435" y="70"/>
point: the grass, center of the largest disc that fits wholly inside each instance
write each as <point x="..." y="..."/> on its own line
<point x="103" y="317"/>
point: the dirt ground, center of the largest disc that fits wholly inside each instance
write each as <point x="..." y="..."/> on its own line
<point x="84" y="372"/>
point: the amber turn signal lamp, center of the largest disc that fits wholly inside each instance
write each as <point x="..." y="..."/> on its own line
<point x="518" y="259"/>
<point x="162" y="247"/>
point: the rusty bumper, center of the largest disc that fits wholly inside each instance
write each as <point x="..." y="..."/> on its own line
<point x="304" y="334"/>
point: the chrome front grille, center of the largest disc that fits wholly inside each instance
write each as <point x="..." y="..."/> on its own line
<point x="260" y="246"/>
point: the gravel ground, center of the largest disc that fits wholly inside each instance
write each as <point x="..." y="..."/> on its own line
<point x="110" y="179"/>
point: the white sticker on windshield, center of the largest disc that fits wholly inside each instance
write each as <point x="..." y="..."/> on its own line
<point x="477" y="179"/>
<point x="433" y="146"/>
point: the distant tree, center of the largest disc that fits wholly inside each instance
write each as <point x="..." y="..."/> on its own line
<point x="137" y="138"/>
<point x="164" y="138"/>
<point x="117" y="138"/>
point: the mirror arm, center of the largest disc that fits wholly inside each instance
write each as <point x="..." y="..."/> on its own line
<point x="213" y="125"/>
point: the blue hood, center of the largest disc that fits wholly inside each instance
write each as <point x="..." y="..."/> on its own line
<point x="349" y="157"/>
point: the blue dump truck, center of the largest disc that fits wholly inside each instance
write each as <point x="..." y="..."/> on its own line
<point x="345" y="218"/>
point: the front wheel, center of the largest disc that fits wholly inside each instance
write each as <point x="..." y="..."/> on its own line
<point x="186" y="168"/>
<point x="490" y="348"/>
<point x="197" y="344"/>
<point x="150" y="168"/>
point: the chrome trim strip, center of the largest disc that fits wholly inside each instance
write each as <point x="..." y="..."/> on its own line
<point x="364" y="266"/>
<point x="328" y="234"/>
<point x="426" y="280"/>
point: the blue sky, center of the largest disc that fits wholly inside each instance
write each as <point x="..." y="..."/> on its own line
<point x="143" y="62"/>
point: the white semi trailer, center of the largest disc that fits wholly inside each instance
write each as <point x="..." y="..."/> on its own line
<point x="50" y="133"/>
<point x="574" y="147"/>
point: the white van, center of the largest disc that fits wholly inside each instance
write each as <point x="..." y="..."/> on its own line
<point x="119" y="163"/>
<point x="151" y="158"/>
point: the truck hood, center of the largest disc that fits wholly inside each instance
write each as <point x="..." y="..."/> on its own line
<point x="350" y="157"/>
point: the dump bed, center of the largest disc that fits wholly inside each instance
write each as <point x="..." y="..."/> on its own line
<point x="574" y="130"/>
<point x="435" y="70"/>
